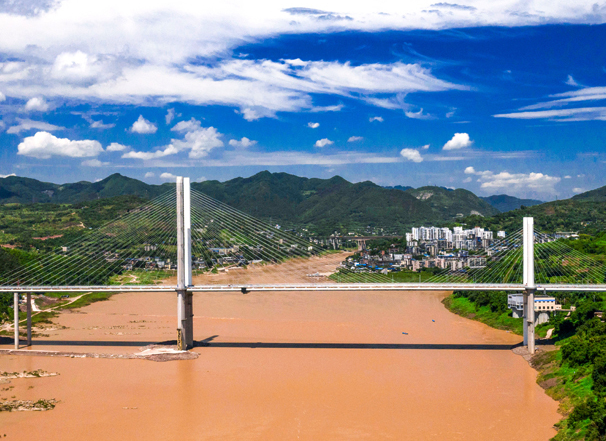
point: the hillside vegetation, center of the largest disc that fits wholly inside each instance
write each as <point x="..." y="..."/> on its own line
<point x="324" y="205"/>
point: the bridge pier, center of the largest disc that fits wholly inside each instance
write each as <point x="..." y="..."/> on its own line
<point x="528" y="243"/>
<point x="29" y="319"/>
<point x="185" y="310"/>
<point x="16" y="317"/>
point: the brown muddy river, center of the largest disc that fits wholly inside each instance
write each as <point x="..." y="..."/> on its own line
<point x="286" y="366"/>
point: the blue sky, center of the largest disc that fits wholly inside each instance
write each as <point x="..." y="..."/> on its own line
<point x="495" y="97"/>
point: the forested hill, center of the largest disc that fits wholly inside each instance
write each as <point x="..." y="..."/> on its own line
<point x="282" y="198"/>
<point x="15" y="189"/>
<point x="504" y="203"/>
<point x="580" y="214"/>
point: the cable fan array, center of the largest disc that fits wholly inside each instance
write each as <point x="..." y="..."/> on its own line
<point x="499" y="263"/>
<point x="138" y="247"/>
<point x="557" y="263"/>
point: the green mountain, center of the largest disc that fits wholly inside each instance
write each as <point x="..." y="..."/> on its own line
<point x="15" y="189"/>
<point x="584" y="216"/>
<point x="504" y="203"/>
<point x="321" y="204"/>
<point x="597" y="195"/>
<point x="326" y="204"/>
<point x="453" y="203"/>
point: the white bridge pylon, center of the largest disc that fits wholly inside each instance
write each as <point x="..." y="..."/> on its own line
<point x="175" y="226"/>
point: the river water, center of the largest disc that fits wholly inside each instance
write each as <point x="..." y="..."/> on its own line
<point x="285" y="366"/>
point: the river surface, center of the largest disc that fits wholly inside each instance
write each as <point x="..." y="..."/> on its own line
<point x="286" y="366"/>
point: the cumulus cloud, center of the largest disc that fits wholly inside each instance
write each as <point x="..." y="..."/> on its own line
<point x="116" y="147"/>
<point x="355" y="138"/>
<point x="425" y="147"/>
<point x="143" y="126"/>
<point x="44" y="145"/>
<point x="28" y="124"/>
<point x="94" y="163"/>
<point x="36" y="104"/>
<point x="538" y="182"/>
<point x="411" y="155"/>
<point x="2" y="97"/>
<point x="567" y="177"/>
<point x="7" y="176"/>
<point x="313" y="125"/>
<point x="167" y="176"/>
<point x="578" y="190"/>
<point x="376" y="118"/>
<point x="243" y="143"/>
<point x="323" y="142"/>
<point x="458" y="141"/>
<point x="150" y="175"/>
<point x="198" y="140"/>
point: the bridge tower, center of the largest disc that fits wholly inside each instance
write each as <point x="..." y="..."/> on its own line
<point x="529" y="284"/>
<point x="185" y="312"/>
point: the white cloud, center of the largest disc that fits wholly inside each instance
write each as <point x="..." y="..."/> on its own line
<point x="94" y="163"/>
<point x="567" y="177"/>
<point x="578" y="190"/>
<point x="150" y="175"/>
<point x="168" y="150"/>
<point x="376" y="118"/>
<point x="576" y="114"/>
<point x="170" y="115"/>
<point x="44" y="145"/>
<point x="313" y="125"/>
<point x="28" y="124"/>
<point x="143" y="126"/>
<point x="36" y="104"/>
<point x="116" y="147"/>
<point x="538" y="182"/>
<point x="425" y="147"/>
<point x="323" y="142"/>
<point x="100" y="125"/>
<point x="467" y="179"/>
<point x="411" y="155"/>
<point x="167" y="176"/>
<point x="2" y="97"/>
<point x="355" y="138"/>
<point x="65" y="49"/>
<point x="199" y="140"/>
<point x="7" y="176"/>
<point x="201" y="179"/>
<point x="458" y="141"/>
<point x="571" y="82"/>
<point x="2" y="125"/>
<point x="243" y="143"/>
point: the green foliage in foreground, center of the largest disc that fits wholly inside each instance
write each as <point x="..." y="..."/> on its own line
<point x="488" y="307"/>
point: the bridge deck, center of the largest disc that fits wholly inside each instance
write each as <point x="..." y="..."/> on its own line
<point x="308" y="287"/>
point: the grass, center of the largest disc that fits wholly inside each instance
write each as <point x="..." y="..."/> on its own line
<point x="499" y="320"/>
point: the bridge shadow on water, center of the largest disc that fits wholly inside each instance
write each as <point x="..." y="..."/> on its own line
<point x="209" y="342"/>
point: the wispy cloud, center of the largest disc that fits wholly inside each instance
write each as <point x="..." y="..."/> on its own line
<point x="28" y="124"/>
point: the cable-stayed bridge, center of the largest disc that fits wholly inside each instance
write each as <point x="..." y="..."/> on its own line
<point x="186" y="242"/>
